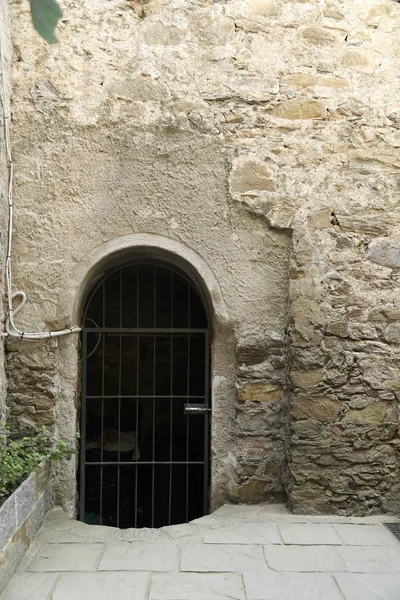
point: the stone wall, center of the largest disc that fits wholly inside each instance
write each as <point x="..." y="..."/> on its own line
<point x="5" y="34"/>
<point x="344" y="331"/>
<point x="263" y="135"/>
<point x="21" y="517"/>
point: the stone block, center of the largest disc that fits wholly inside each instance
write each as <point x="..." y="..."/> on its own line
<point x="307" y="379"/>
<point x="248" y="533"/>
<point x="373" y="413"/>
<point x="321" y="219"/>
<point x="197" y="586"/>
<point x="370" y="559"/>
<point x="308" y="80"/>
<point x="365" y="535"/>
<point x="364" y="585"/>
<point x="25" y="498"/>
<point x="304" y="558"/>
<point x="260" y="391"/>
<point x="102" y="586"/>
<point x="308" y="429"/>
<point x="251" y="174"/>
<point x="361" y="60"/>
<point x="364" y="224"/>
<point x="262" y="8"/>
<point x="307" y="586"/>
<point x="230" y="558"/>
<point x="43" y="478"/>
<point x="13" y="554"/>
<point x="140" y="557"/>
<point x="252" y="492"/>
<point x="392" y="333"/>
<point x="300" y="108"/>
<point x="29" y="586"/>
<point x="66" y="557"/>
<point x="160" y="34"/>
<point x="319" y="408"/>
<point x="369" y="163"/>
<point x="314" y="534"/>
<point x="37" y="515"/>
<point x="319" y="35"/>
<point x="8" y="521"/>
<point x="338" y="328"/>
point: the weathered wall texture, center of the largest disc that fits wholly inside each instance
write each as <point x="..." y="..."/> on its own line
<point x="264" y="136"/>
<point x="5" y="35"/>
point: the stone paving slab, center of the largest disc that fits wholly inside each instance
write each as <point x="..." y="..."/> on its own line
<point x="140" y="556"/>
<point x="366" y="535"/>
<point x="368" y="587"/>
<point x="101" y="586"/>
<point x="245" y="533"/>
<point x="197" y="586"/>
<point x="66" y="557"/>
<point x="309" y="559"/>
<point x="313" y="534"/>
<point x="371" y="559"/>
<point x="222" y="558"/>
<point x="30" y="586"/>
<point x="238" y="553"/>
<point x="291" y="586"/>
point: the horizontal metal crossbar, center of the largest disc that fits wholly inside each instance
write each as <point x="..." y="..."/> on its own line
<point x="146" y="462"/>
<point x="163" y="396"/>
<point x="143" y="330"/>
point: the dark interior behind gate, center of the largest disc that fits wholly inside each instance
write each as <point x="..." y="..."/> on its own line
<point x="145" y="400"/>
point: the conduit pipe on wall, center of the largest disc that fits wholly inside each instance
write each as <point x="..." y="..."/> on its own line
<point x="11" y="329"/>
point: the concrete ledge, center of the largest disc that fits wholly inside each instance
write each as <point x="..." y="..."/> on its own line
<point x="21" y="517"/>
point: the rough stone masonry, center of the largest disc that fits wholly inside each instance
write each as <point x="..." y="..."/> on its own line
<point x="264" y="135"/>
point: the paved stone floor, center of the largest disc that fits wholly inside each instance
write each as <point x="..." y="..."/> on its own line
<point x="237" y="553"/>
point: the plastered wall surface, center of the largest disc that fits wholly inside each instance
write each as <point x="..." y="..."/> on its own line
<point x="264" y="137"/>
<point x="5" y="77"/>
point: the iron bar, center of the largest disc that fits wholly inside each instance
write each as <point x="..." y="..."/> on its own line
<point x="178" y="396"/>
<point x="145" y="462"/>
<point x="171" y="413"/>
<point x="144" y="330"/>
<point x="82" y="487"/>
<point x="102" y="405"/>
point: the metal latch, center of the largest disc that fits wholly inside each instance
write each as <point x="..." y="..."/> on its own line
<point x="195" y="409"/>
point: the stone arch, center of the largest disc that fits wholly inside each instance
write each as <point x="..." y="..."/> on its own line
<point x="72" y="299"/>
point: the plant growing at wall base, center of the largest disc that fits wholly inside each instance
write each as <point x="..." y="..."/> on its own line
<point x="19" y="458"/>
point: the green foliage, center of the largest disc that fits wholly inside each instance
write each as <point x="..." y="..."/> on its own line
<point x="45" y="16"/>
<point x="21" y="457"/>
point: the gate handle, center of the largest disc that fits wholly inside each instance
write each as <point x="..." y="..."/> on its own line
<point x="195" y="409"/>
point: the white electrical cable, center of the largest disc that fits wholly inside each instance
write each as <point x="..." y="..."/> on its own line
<point x="11" y="329"/>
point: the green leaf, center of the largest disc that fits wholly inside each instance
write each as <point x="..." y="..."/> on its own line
<point x="45" y="16"/>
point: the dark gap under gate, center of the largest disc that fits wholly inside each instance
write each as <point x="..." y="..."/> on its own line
<point x="145" y="423"/>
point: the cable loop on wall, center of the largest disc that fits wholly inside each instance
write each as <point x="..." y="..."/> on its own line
<point x="10" y="327"/>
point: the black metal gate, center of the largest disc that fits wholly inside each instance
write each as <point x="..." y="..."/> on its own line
<point x="145" y="400"/>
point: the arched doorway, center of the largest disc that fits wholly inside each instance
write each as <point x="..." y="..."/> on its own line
<point x="145" y="398"/>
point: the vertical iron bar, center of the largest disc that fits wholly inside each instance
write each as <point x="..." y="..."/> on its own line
<point x="102" y="406"/>
<point x="207" y="423"/>
<point x="154" y="434"/>
<point x="188" y="417"/>
<point x="119" y="402"/>
<point x="82" y="487"/>
<point x="170" y="408"/>
<point x="137" y="394"/>
<point x="154" y="402"/>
